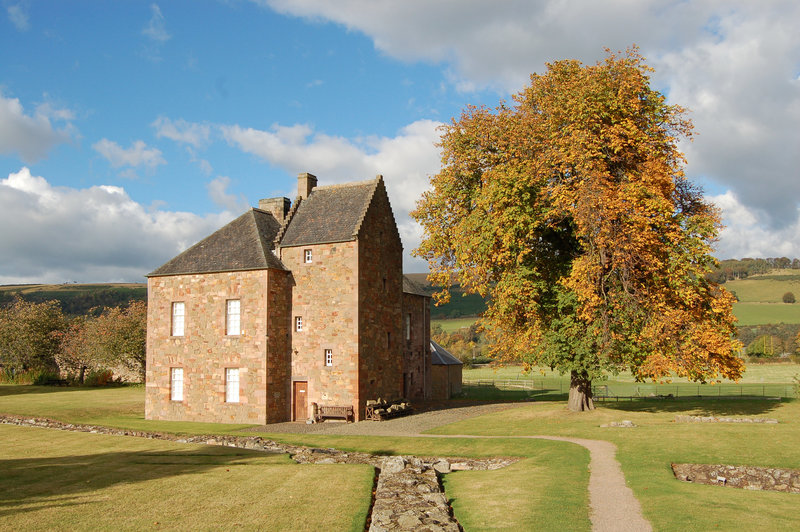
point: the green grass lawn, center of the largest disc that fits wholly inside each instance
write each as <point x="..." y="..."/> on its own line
<point x="647" y="451"/>
<point x="71" y="480"/>
<point x="54" y="480"/>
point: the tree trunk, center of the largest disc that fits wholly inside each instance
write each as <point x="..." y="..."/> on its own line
<point x="580" y="392"/>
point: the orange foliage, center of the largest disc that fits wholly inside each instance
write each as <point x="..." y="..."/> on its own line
<point x="571" y="211"/>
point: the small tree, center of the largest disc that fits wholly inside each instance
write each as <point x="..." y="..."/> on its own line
<point x="118" y="336"/>
<point x="788" y="297"/>
<point x="30" y="335"/>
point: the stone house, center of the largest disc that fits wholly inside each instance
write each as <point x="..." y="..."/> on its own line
<point x="286" y="306"/>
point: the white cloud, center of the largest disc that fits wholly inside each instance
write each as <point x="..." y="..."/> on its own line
<point x="137" y="155"/>
<point x="218" y="192"/>
<point x="194" y="134"/>
<point x="734" y="64"/>
<point x="405" y="160"/>
<point x="156" y="28"/>
<point x="88" y="235"/>
<point x="749" y="233"/>
<point x="18" y="15"/>
<point x="31" y="137"/>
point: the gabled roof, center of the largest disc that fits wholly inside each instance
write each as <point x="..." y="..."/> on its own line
<point x="329" y="214"/>
<point x="243" y="244"/>
<point x="441" y="357"/>
<point x="410" y="287"/>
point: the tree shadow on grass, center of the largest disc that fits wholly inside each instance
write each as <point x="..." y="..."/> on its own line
<point x="33" y="484"/>
<point x="25" y="389"/>
<point x="743" y="406"/>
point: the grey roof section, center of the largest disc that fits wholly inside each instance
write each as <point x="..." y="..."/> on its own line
<point x="410" y="287"/>
<point x="330" y="214"/>
<point x="441" y="357"/>
<point x="243" y="244"/>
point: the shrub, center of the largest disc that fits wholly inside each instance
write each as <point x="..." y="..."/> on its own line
<point x="788" y="297"/>
<point x="100" y="377"/>
<point x="31" y="376"/>
<point x="766" y="345"/>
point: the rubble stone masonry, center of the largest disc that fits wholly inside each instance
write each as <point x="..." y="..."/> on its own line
<point x="205" y="350"/>
<point x="325" y="298"/>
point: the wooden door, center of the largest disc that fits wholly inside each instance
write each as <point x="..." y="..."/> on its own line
<point x="300" y="400"/>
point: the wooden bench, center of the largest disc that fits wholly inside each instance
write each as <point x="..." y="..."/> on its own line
<point x="334" y="412"/>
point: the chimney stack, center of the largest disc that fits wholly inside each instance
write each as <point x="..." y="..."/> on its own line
<point x="305" y="184"/>
<point x="278" y="207"/>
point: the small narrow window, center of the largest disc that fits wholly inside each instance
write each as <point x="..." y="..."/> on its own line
<point x="384" y="284"/>
<point x="408" y="326"/>
<point x="298" y="323"/>
<point x="388" y="339"/>
<point x="329" y="357"/>
<point x="231" y="385"/>
<point x="233" y="320"/>
<point x="307" y="257"/>
<point x="178" y="310"/>
<point x="176" y="384"/>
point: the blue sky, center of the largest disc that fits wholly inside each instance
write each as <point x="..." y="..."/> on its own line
<point x="130" y="130"/>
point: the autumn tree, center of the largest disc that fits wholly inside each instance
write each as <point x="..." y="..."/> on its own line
<point x="29" y="335"/>
<point x="570" y="212"/>
<point x="118" y="337"/>
<point x="74" y="355"/>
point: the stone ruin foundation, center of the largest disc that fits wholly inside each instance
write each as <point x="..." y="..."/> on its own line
<point x="744" y="477"/>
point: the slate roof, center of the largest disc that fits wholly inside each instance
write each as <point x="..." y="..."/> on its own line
<point x="441" y="357"/>
<point x="246" y="243"/>
<point x="411" y="287"/>
<point x="330" y="214"/>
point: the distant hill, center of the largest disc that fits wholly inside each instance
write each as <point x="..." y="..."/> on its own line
<point x="77" y="299"/>
<point x="460" y="305"/>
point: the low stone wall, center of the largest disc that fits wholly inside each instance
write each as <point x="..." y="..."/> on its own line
<point x="745" y="477"/>
<point x="714" y="419"/>
<point x="408" y="495"/>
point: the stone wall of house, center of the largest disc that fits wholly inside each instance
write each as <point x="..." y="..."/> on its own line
<point x="416" y="347"/>
<point x="325" y="297"/>
<point x="279" y="347"/>
<point x="445" y="381"/>
<point x="205" y="351"/>
<point x="380" y="297"/>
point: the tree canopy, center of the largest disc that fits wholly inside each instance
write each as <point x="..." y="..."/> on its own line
<point x="570" y="210"/>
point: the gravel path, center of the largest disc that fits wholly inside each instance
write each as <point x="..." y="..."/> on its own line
<point x="613" y="504"/>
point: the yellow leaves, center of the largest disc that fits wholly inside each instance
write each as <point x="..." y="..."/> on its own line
<point x="576" y="192"/>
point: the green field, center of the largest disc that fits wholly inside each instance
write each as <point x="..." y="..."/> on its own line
<point x="453" y="325"/>
<point x="766" y="313"/>
<point x="768" y="288"/>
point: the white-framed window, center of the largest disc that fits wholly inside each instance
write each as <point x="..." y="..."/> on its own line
<point x="176" y="384"/>
<point x="233" y="320"/>
<point x="329" y="357"/>
<point x="408" y="326"/>
<point x="307" y="256"/>
<point x="231" y="385"/>
<point x="178" y="313"/>
<point x="298" y="323"/>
